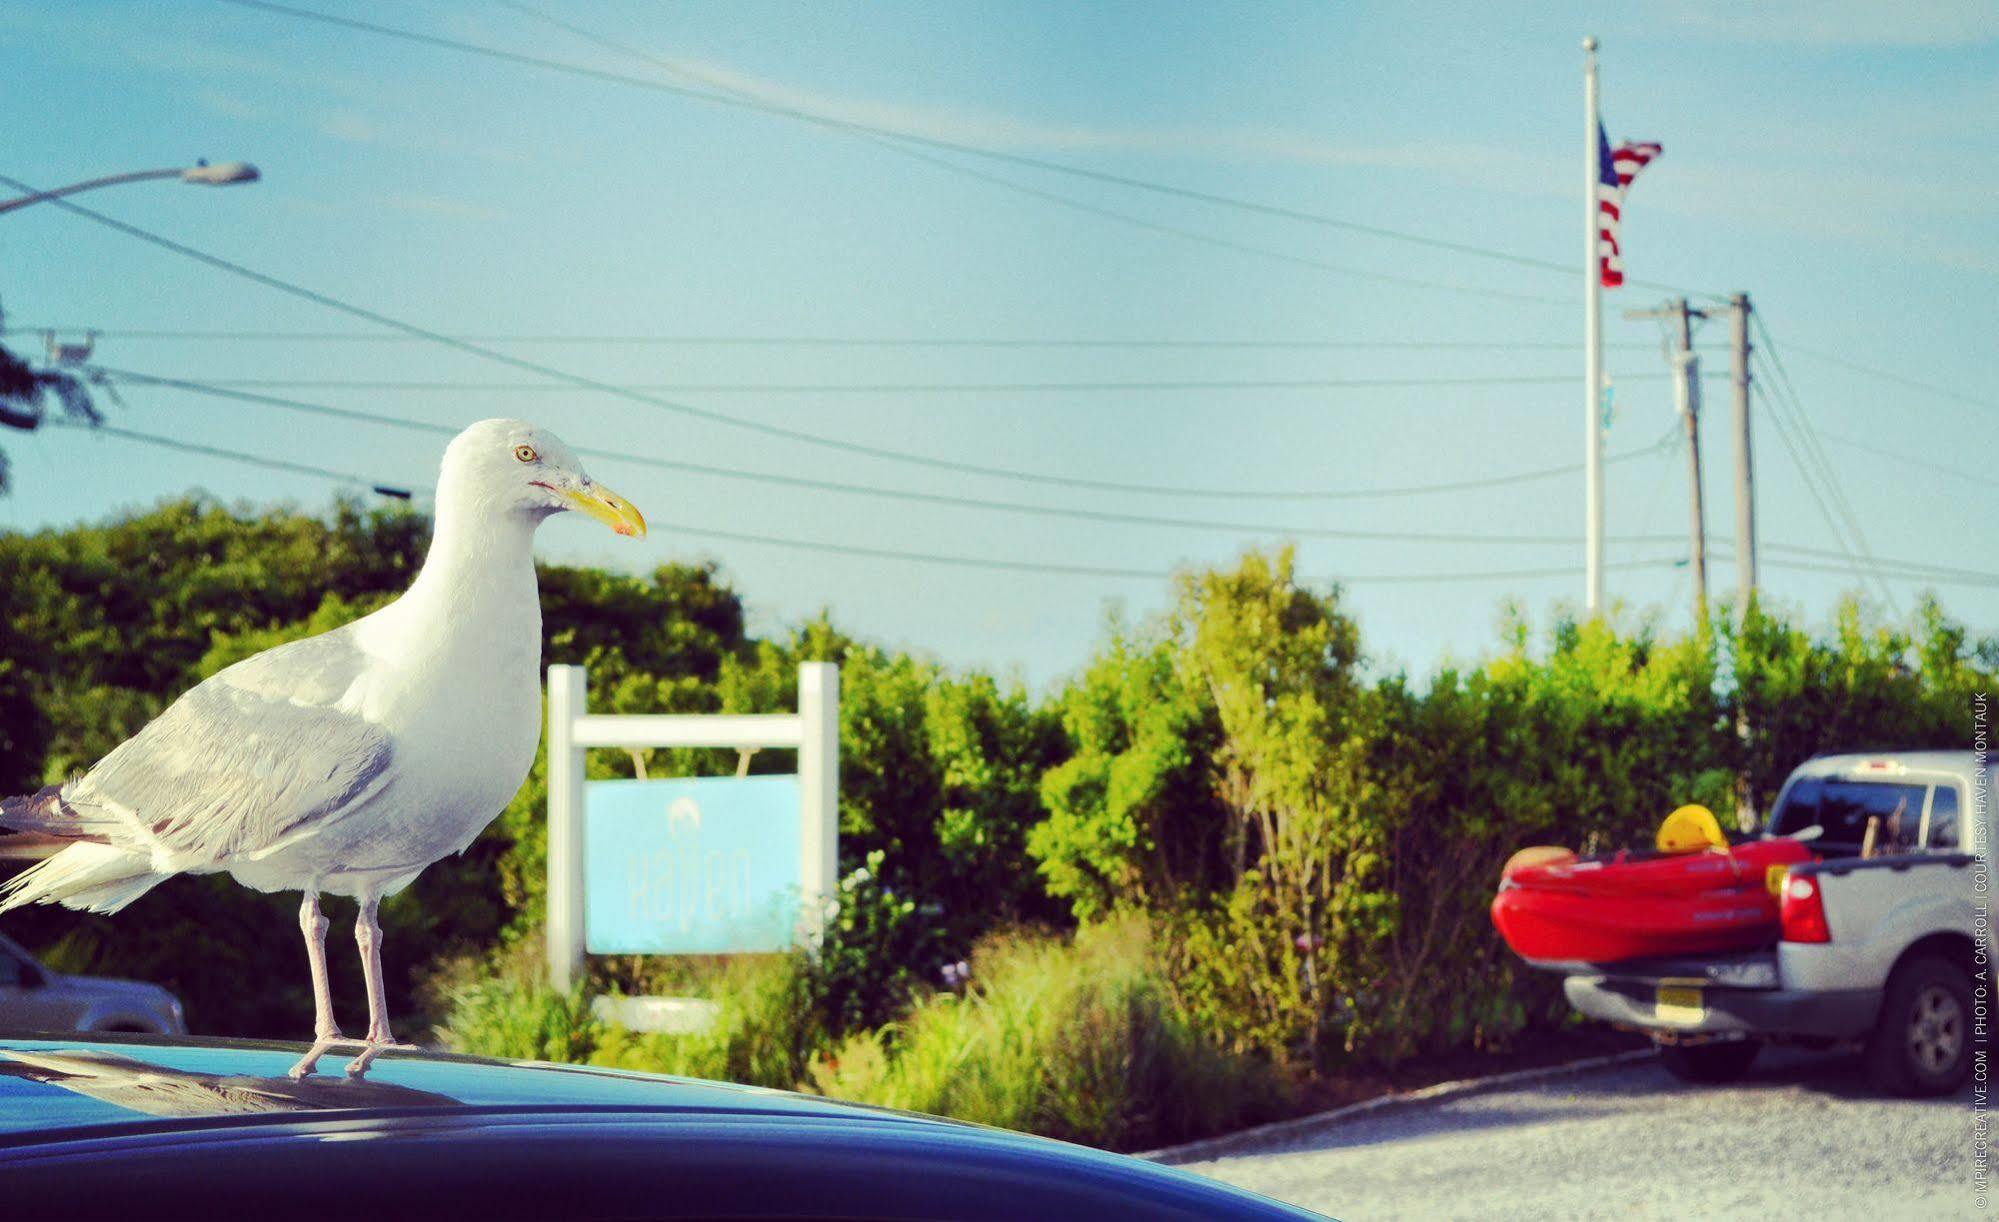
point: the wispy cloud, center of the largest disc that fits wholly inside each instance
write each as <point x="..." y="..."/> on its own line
<point x="1876" y="207"/>
<point x="1844" y="23"/>
<point x="206" y="62"/>
<point x="349" y="127"/>
<point x="988" y="129"/>
<point x="229" y="106"/>
<point x="440" y="206"/>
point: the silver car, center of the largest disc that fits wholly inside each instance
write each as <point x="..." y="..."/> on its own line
<point x="33" y="998"/>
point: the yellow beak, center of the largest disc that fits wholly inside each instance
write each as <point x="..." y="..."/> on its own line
<point x="607" y="507"/>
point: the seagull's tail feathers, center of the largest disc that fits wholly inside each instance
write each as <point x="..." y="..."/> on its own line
<point x="45" y="813"/>
<point x="86" y="876"/>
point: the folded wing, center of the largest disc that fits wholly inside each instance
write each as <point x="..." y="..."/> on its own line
<point x="241" y="763"/>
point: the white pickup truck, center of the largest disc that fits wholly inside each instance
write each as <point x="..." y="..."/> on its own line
<point x="1890" y="951"/>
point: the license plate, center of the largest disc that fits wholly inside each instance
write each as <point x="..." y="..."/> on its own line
<point x="1675" y="1003"/>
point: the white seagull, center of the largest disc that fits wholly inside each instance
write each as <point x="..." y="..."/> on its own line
<point x="346" y="762"/>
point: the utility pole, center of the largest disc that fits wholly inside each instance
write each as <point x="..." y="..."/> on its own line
<point x="1745" y="472"/>
<point x="1687" y="397"/>
<point x="1689" y="387"/>
<point x="1745" y="524"/>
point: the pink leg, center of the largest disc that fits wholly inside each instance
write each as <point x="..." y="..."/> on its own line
<point x="324" y="1031"/>
<point x="368" y="936"/>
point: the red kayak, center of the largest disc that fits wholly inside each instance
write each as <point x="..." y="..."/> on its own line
<point x="1637" y="905"/>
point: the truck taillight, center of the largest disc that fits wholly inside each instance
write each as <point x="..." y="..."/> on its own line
<point x="1803" y="911"/>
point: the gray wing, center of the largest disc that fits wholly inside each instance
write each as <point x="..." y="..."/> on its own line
<point x="240" y="761"/>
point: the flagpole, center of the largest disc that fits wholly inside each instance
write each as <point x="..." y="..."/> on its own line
<point x="1592" y="341"/>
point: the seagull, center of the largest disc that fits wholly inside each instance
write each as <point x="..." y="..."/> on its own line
<point x="343" y="763"/>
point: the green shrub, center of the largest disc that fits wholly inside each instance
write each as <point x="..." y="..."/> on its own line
<point x="502" y="1006"/>
<point x="764" y="1034"/>
<point x="877" y="951"/>
<point x="1072" y="1039"/>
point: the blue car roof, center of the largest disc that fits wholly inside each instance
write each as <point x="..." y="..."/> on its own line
<point x="54" y="1083"/>
<point x="156" y="1122"/>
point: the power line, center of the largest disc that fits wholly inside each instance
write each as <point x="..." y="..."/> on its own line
<point x="126" y="377"/>
<point x="1816" y="451"/>
<point x="1154" y="575"/>
<point x="1954" y="577"/>
<point x="578" y="380"/>
<point x="924" y="388"/>
<point x="1927" y="387"/>
<point x="1959" y="577"/>
<point x="1948" y="576"/>
<point x="1795" y="549"/>
<point x="821" y="546"/>
<point x="824" y="547"/>
<point x="820" y="341"/>
<point x="880" y="138"/>
<point x="1983" y="480"/>
<point x="239" y="456"/>
<point x="1914" y="570"/>
<point x="1811" y="482"/>
<point x="1292" y="214"/>
<point x="1208" y="239"/>
<point x="748" y="101"/>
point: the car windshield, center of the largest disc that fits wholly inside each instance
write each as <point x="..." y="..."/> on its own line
<point x="1843" y="808"/>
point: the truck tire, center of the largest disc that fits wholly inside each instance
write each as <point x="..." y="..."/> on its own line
<point x="1708" y="1064"/>
<point x="1922" y="1043"/>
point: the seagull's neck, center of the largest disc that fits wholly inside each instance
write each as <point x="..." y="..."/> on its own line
<point x="480" y="565"/>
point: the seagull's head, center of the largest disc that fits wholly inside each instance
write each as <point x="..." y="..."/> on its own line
<point x="510" y="466"/>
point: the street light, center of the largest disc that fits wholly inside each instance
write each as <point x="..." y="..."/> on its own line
<point x="221" y="174"/>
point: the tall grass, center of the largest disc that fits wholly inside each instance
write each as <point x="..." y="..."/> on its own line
<point x="764" y="1033"/>
<point x="1078" y="1040"/>
<point x="765" y="1029"/>
<point x="1072" y="1038"/>
<point x="502" y="1007"/>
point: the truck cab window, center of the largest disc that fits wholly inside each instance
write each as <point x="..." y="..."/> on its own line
<point x="1943" y="818"/>
<point x="1843" y="809"/>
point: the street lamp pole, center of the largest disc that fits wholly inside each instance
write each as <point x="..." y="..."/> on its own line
<point x="221" y="174"/>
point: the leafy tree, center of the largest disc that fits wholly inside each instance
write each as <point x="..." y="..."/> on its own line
<point x="1133" y="816"/>
<point x="1866" y="686"/>
<point x="1314" y="845"/>
<point x="111" y="620"/>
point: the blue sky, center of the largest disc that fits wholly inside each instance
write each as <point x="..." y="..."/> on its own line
<point x="1835" y="160"/>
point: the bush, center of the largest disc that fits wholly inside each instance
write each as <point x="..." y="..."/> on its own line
<point x="877" y="951"/>
<point x="1072" y="1039"/>
<point x="503" y="1007"/>
<point x="1313" y="842"/>
<point x="764" y="1034"/>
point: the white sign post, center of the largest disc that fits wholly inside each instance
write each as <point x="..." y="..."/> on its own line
<point x="813" y="731"/>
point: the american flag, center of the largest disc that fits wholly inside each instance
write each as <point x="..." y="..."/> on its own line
<point x="1615" y="170"/>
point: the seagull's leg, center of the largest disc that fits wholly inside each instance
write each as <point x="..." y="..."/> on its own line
<point x="324" y="1031"/>
<point x="368" y="936"/>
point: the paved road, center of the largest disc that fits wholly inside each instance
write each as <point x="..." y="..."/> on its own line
<point x="1802" y="1136"/>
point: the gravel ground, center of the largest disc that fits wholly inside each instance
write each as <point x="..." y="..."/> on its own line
<point x="1800" y="1136"/>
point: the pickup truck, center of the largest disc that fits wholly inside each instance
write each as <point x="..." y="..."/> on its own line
<point x="1885" y="939"/>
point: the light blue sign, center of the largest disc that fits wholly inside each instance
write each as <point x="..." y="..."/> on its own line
<point x="700" y="866"/>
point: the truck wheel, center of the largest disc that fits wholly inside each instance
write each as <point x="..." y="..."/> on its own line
<point x="1922" y="1045"/>
<point x="1709" y="1063"/>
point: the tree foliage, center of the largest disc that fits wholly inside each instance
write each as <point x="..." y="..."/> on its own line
<point x="1310" y="842"/>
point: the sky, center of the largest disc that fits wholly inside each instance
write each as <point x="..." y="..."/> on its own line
<point x="1834" y="160"/>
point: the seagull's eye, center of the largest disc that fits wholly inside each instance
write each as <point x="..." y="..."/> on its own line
<point x="525" y="453"/>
